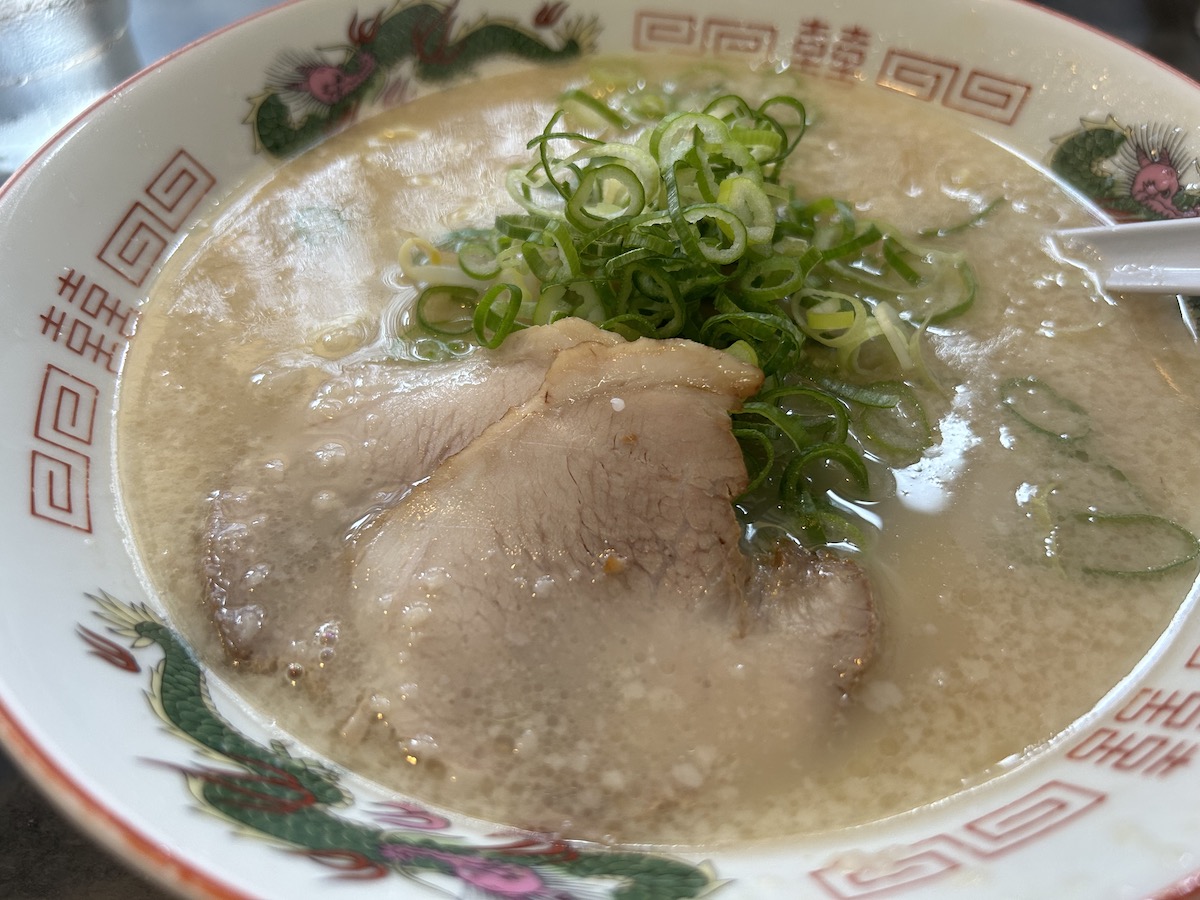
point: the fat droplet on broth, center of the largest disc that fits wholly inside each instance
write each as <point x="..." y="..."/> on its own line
<point x="433" y="580"/>
<point x="330" y="454"/>
<point x="421" y="746"/>
<point x="325" y="500"/>
<point x="527" y="742"/>
<point x="408" y="691"/>
<point x="243" y="621"/>
<point x="256" y="574"/>
<point x="342" y="338"/>
<point x="275" y="467"/>
<point x="416" y="613"/>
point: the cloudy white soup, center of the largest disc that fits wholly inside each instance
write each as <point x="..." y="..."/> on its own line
<point x="699" y="458"/>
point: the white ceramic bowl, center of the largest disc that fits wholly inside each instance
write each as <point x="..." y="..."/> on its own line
<point x="85" y="226"/>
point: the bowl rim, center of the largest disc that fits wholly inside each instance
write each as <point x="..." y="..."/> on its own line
<point x="151" y="857"/>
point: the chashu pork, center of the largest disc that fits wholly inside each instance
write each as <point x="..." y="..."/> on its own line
<point x="561" y="616"/>
<point x="273" y="574"/>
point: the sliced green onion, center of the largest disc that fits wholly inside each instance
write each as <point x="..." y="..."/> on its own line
<point x="1125" y="546"/>
<point x="725" y="238"/>
<point x="772" y="279"/>
<point x="893" y="331"/>
<point x="788" y="426"/>
<point x="1045" y="410"/>
<point x="882" y="395"/>
<point x="491" y="329"/>
<point x="898" y="257"/>
<point x="686" y="229"/>
<point x="446" y="310"/>
<point x="605" y="193"/>
<point x="577" y="102"/>
<point x="947" y="293"/>
<point x="775" y="340"/>
<point x="479" y="260"/>
<point x="759" y="452"/>
<point x="974" y="220"/>
<point x="818" y="409"/>
<point x="746" y="201"/>
<point x="842" y="454"/>
<point x="799" y="121"/>
<point x="900" y="433"/>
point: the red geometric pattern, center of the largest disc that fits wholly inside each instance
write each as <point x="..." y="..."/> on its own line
<point x="818" y="48"/>
<point x="918" y="76"/>
<point x="1153" y="734"/>
<point x="734" y="38"/>
<point x="1016" y="824"/>
<point x="66" y="415"/>
<point x="150" y="223"/>
<point x="990" y="97"/>
<point x="90" y="321"/>
<point x="815" y="48"/>
<point x="178" y="189"/>
<point x="59" y="476"/>
<point x="979" y="93"/>
<point x="901" y="869"/>
<point x="1194" y="660"/>
<point x="669" y="32"/>
<point x="136" y="245"/>
<point x="59" y="488"/>
<point x="1170" y="710"/>
<point x="1028" y="818"/>
<point x="1135" y="752"/>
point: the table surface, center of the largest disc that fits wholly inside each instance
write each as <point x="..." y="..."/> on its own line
<point x="42" y="856"/>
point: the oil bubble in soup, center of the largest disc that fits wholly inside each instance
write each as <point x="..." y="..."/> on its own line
<point x="1056" y="418"/>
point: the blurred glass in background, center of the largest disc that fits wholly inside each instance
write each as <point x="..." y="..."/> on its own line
<point x="56" y="57"/>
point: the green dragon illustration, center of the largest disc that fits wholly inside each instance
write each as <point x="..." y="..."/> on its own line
<point x="1131" y="173"/>
<point x="269" y="792"/>
<point x="308" y="97"/>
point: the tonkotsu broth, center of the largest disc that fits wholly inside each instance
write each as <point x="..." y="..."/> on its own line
<point x="987" y="651"/>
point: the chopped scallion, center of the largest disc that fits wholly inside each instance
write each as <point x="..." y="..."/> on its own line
<point x="668" y="222"/>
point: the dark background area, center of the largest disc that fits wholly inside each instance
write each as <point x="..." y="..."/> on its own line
<point x="43" y="857"/>
<point x="1163" y="28"/>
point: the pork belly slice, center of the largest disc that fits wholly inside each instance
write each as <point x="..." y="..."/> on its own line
<point x="274" y="571"/>
<point x="562" y="617"/>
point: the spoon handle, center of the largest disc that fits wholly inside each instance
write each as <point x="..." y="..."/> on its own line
<point x="1143" y="257"/>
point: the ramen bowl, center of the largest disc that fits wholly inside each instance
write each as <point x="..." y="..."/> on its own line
<point x="161" y="759"/>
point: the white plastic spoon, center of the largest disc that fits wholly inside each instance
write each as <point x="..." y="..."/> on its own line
<point x="1142" y="257"/>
